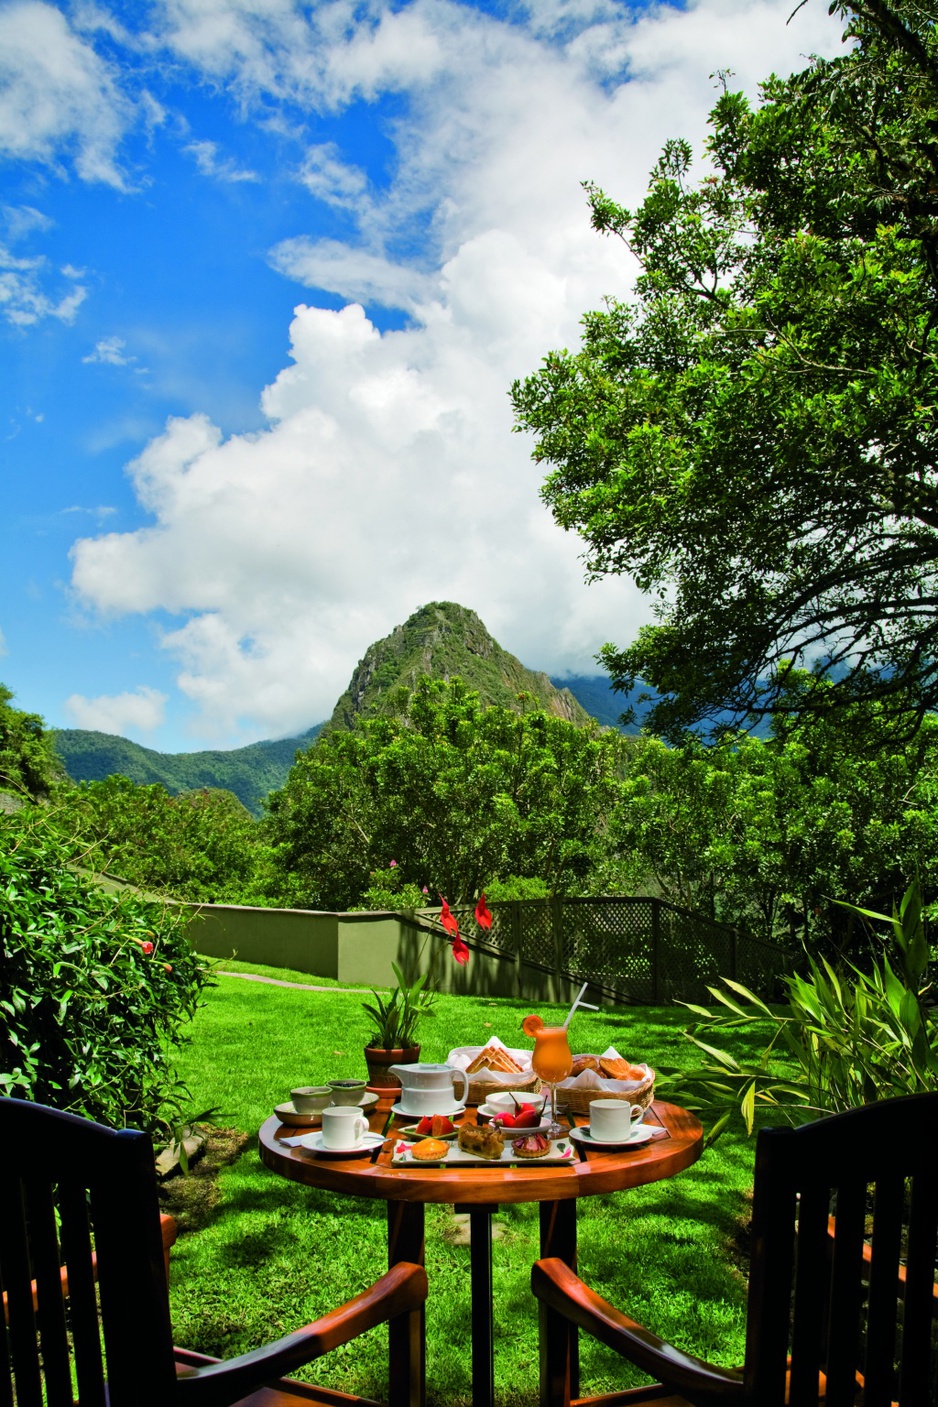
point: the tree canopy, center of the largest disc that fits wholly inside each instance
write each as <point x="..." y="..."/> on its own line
<point x="455" y="794"/>
<point x="29" y="767"/>
<point x="752" y="436"/>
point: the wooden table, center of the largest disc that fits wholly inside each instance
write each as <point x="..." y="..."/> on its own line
<point x="479" y="1191"/>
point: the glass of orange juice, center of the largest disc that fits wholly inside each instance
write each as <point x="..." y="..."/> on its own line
<point x="552" y="1062"/>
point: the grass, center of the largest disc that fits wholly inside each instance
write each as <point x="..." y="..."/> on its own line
<point x="275" y="1255"/>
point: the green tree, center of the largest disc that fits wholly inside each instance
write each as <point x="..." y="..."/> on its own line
<point x="28" y="764"/>
<point x="456" y="794"/>
<point x="202" y="846"/>
<point x="767" y="833"/>
<point x="753" y="436"/>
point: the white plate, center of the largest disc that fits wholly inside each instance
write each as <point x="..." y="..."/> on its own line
<point x="641" y="1135"/>
<point x="314" y="1143"/>
<point x="510" y="1133"/>
<point x="400" y="1112"/>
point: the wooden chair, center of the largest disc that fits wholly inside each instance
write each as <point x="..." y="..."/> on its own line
<point x="71" y="1191"/>
<point x="830" y="1318"/>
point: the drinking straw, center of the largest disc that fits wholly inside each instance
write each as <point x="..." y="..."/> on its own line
<point x="588" y="1006"/>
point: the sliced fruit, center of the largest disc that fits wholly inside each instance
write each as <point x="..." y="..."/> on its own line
<point x="531" y="1025"/>
<point x="425" y="1126"/>
<point x="442" y="1126"/>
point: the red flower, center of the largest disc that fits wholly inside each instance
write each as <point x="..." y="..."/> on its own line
<point x="460" y="951"/>
<point x="146" y="949"/>
<point x="483" y="916"/>
<point x="447" y="919"/>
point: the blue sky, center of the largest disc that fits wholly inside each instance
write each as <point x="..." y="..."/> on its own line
<point x="267" y="271"/>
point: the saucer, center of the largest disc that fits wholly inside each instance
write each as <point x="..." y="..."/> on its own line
<point x="315" y="1144"/>
<point x="295" y="1120"/>
<point x="400" y="1112"/>
<point x="640" y="1135"/>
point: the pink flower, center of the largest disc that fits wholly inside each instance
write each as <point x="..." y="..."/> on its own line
<point x="425" y="890"/>
<point x="483" y="915"/>
<point x="447" y="919"/>
<point x="146" y="949"/>
<point x="393" y="865"/>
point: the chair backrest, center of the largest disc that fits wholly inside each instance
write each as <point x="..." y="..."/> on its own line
<point x="69" y="1188"/>
<point x="819" y="1303"/>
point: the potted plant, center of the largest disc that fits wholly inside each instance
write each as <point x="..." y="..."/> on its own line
<point x="395" y="1019"/>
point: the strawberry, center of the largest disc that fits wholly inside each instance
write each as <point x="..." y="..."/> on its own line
<point x="425" y="1126"/>
<point x="442" y="1126"/>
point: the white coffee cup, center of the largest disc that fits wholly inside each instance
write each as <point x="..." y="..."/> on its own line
<point x="343" y="1127"/>
<point x="613" y="1120"/>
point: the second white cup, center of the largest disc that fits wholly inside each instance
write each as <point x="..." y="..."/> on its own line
<point x="343" y="1127"/>
<point x="613" y="1119"/>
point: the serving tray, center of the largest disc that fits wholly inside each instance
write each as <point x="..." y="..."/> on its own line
<point x="561" y="1151"/>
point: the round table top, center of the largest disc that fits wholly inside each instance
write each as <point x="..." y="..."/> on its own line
<point x="668" y="1153"/>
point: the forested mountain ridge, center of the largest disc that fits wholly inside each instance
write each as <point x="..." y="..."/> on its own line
<point x="249" y="772"/>
<point x="444" y="640"/>
<point x="441" y="639"/>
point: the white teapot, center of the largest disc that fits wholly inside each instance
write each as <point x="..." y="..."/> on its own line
<point x="428" y="1089"/>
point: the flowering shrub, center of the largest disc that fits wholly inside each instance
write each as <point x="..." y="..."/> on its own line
<point x="94" y="988"/>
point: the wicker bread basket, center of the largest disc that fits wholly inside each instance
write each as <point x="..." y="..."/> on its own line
<point x="480" y="1089"/>
<point x="577" y="1101"/>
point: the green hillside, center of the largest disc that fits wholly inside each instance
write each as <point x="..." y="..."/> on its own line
<point x="444" y="640"/>
<point x="250" y="772"/>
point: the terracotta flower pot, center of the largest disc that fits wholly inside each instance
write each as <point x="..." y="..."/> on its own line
<point x="379" y="1063"/>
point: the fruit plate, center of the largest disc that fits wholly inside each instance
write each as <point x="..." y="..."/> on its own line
<point x="561" y="1151"/>
<point x="488" y="1118"/>
<point x="411" y="1133"/>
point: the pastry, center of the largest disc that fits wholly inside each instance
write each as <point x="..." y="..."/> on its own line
<point x="532" y="1145"/>
<point x="584" y="1062"/>
<point x="430" y="1150"/>
<point x="484" y="1141"/>
<point x="495" y="1058"/>
<point x="614" y="1068"/>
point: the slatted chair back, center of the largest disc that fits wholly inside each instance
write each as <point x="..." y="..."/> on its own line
<point x="68" y="1187"/>
<point x="815" y="1306"/>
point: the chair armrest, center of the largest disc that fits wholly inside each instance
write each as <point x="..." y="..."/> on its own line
<point x="557" y="1286"/>
<point x="401" y="1291"/>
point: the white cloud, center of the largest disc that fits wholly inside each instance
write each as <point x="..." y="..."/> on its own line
<point x="354" y="274"/>
<point x="110" y="351"/>
<point x="388" y="475"/>
<point x="57" y="95"/>
<point x="220" y="168"/>
<point x="138" y="712"/>
<point x="23" y="220"/>
<point x="24" y="301"/>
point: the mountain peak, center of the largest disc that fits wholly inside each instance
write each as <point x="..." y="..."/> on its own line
<point x="444" y="639"/>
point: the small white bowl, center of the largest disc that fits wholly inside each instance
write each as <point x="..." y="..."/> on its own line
<point x="508" y="1103"/>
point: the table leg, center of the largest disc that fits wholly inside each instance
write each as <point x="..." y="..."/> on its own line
<point x="558" y="1238"/>
<point x="483" y="1338"/>
<point x="407" y="1335"/>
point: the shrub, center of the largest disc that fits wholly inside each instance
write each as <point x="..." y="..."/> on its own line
<point x="845" y="1037"/>
<point x="94" y="987"/>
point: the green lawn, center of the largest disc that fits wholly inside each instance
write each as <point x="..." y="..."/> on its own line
<point x="276" y="1255"/>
